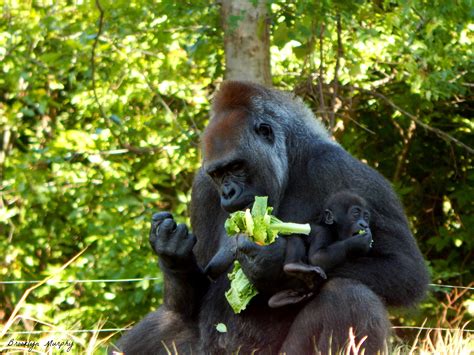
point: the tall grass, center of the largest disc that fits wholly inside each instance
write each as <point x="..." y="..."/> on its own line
<point x="452" y="341"/>
<point x="428" y="342"/>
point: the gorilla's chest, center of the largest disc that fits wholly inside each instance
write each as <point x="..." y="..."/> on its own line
<point x="257" y="327"/>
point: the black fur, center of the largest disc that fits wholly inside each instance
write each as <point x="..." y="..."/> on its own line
<point x="343" y="233"/>
<point x="338" y="238"/>
<point x="298" y="169"/>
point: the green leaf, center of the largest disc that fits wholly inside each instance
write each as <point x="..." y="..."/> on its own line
<point x="259" y="225"/>
<point x="259" y="207"/>
<point x="221" y="328"/>
<point x="241" y="291"/>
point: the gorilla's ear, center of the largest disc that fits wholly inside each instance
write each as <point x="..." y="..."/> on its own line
<point x="328" y="217"/>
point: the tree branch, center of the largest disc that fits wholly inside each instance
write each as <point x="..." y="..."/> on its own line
<point x="332" y="114"/>
<point x="407" y="138"/>
<point x="126" y="146"/>
<point x="156" y="93"/>
<point x="322" y="107"/>
<point x="447" y="137"/>
<point x="94" y="46"/>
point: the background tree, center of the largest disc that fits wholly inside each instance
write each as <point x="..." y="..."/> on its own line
<point x="247" y="40"/>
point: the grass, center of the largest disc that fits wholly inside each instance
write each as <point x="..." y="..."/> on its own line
<point x="436" y="341"/>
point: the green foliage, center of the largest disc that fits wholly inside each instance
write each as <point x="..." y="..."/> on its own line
<point x="79" y="170"/>
<point x="73" y="178"/>
<point x="413" y="55"/>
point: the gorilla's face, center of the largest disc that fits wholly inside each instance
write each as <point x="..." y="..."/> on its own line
<point x="348" y="214"/>
<point x="245" y="158"/>
<point x="235" y="183"/>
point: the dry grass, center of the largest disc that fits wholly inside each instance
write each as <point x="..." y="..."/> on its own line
<point x="428" y="342"/>
<point x="442" y="342"/>
<point x="452" y="341"/>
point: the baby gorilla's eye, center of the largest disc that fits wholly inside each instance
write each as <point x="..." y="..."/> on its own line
<point x="356" y="212"/>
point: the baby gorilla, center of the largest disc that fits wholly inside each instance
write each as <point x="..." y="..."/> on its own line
<point x="343" y="233"/>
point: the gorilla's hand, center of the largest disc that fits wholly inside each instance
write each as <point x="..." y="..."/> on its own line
<point x="360" y="244"/>
<point x="263" y="265"/>
<point x="172" y="243"/>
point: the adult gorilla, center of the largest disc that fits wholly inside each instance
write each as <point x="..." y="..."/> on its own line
<point x="265" y="142"/>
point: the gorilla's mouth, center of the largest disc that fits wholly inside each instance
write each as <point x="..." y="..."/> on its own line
<point x="248" y="206"/>
<point x="242" y="204"/>
<point x="359" y="232"/>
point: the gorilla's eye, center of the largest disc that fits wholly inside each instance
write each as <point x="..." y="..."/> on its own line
<point x="356" y="211"/>
<point x="214" y="174"/>
<point x="265" y="130"/>
<point x="235" y="166"/>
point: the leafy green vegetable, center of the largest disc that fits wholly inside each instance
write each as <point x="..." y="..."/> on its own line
<point x="262" y="228"/>
<point x="241" y="290"/>
<point x="260" y="225"/>
<point x="221" y="328"/>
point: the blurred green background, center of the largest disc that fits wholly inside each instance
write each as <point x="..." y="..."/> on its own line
<point x="80" y="169"/>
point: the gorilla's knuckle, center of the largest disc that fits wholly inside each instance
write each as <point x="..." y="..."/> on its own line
<point x="165" y="230"/>
<point x="192" y="238"/>
<point x="164" y="252"/>
<point x="245" y="251"/>
<point x="181" y="231"/>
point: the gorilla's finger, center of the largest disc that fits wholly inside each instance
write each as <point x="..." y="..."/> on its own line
<point x="190" y="241"/>
<point x="156" y="220"/>
<point x="178" y="238"/>
<point x="161" y="216"/>
<point x="166" y="229"/>
<point x="152" y="236"/>
<point x="279" y="243"/>
<point x="245" y="246"/>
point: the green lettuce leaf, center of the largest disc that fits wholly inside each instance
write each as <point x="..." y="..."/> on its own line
<point x="259" y="225"/>
<point x="241" y="290"/>
<point x="262" y="228"/>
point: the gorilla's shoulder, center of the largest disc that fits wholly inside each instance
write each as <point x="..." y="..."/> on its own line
<point x="331" y="163"/>
<point x="329" y="155"/>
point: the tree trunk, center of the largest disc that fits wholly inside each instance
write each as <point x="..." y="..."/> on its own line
<point x="246" y="40"/>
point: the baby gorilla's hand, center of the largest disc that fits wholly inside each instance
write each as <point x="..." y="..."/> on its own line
<point x="361" y="243"/>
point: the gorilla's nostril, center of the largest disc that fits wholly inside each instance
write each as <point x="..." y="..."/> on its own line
<point x="228" y="192"/>
<point x="231" y="193"/>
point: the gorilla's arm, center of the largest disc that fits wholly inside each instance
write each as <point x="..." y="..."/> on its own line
<point x="394" y="270"/>
<point x="175" y="323"/>
<point x="184" y="281"/>
<point x="222" y="261"/>
<point x="338" y="252"/>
